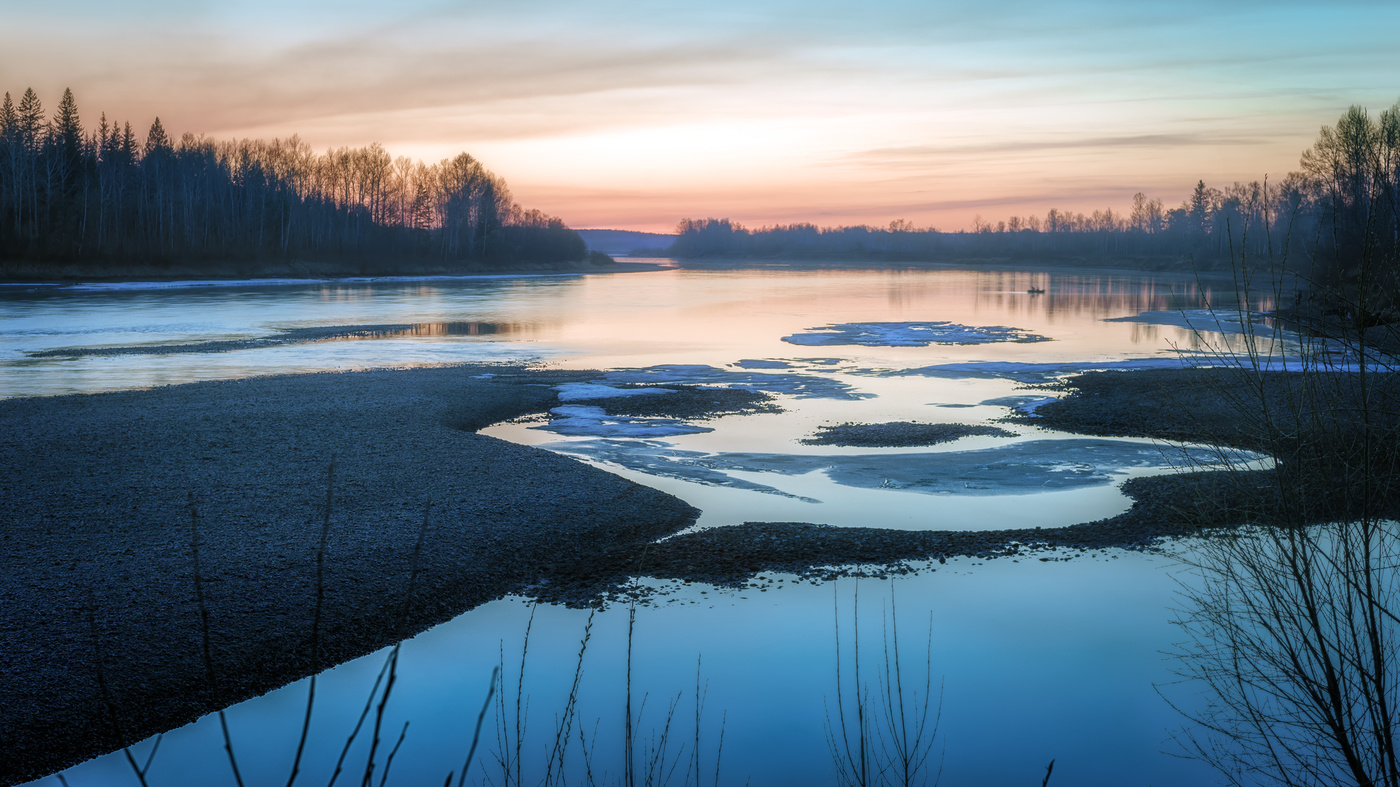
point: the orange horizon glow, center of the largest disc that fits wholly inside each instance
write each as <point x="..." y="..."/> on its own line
<point x="628" y="116"/>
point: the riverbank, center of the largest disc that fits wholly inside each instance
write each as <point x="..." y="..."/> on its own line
<point x="100" y="493"/>
<point x="1128" y="264"/>
<point x="102" y="609"/>
<point x="224" y="270"/>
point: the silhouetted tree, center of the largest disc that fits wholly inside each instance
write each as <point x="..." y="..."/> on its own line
<point x="67" y="195"/>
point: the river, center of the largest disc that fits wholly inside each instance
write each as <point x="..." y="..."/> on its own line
<point x="1027" y="661"/>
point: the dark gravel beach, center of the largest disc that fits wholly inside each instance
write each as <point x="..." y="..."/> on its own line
<point x="98" y="605"/>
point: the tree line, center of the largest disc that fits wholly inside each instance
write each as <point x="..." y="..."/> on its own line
<point x="1343" y="205"/>
<point x="101" y="195"/>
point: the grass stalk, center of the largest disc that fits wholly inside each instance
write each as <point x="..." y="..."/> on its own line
<point x="476" y="733"/>
<point x="205" y="635"/>
<point x="315" y="623"/>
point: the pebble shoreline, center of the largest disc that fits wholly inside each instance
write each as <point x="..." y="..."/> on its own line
<point x="98" y="608"/>
<point x="100" y="550"/>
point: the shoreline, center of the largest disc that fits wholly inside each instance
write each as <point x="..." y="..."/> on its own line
<point x="100" y="487"/>
<point x="67" y="272"/>
<point x="101" y="492"/>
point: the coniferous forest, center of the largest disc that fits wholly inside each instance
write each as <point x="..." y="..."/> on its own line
<point x="99" y="200"/>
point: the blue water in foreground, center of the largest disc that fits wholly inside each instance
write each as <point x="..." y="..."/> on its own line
<point x="1036" y="660"/>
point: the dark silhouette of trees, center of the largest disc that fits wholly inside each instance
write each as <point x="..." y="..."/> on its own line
<point x="1340" y="210"/>
<point x="1351" y="176"/>
<point x="104" y="198"/>
<point x="1204" y="229"/>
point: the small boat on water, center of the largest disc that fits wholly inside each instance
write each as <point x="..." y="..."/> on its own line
<point x="1035" y="291"/>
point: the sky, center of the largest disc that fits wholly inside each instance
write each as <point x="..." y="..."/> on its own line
<point x="634" y="115"/>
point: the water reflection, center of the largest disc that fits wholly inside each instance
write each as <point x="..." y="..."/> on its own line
<point x="714" y="317"/>
<point x="439" y="329"/>
<point x="1060" y="657"/>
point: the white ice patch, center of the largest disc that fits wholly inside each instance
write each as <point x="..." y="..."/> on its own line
<point x="1198" y="320"/>
<point x="660" y="459"/>
<point x="1034" y="372"/>
<point x="909" y="334"/>
<point x="1019" y="468"/>
<point x="585" y="421"/>
<point x="578" y="392"/>
<point x="800" y="386"/>
<point x="752" y="363"/>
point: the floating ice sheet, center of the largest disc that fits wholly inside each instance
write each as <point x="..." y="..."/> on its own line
<point x="1199" y="320"/>
<point x="1024" y="372"/>
<point x="1023" y="404"/>
<point x="660" y="459"/>
<point x="576" y="392"/>
<point x="909" y="334"/>
<point x="1019" y="468"/>
<point x="801" y="386"/>
<point x="585" y="421"/>
<point x="752" y="363"/>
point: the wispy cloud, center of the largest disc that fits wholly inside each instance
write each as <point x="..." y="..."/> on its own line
<point x="925" y="109"/>
<point x="883" y="156"/>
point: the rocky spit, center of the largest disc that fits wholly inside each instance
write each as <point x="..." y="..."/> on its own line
<point x="900" y="434"/>
<point x="103" y="496"/>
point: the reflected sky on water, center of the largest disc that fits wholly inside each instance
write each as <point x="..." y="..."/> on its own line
<point x="1039" y="660"/>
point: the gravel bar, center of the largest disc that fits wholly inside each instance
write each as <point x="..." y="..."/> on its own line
<point x="900" y="434"/>
<point x="101" y="496"/>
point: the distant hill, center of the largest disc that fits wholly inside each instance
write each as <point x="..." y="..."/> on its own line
<point x="625" y="242"/>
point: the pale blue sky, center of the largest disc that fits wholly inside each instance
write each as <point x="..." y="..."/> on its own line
<point x="640" y="113"/>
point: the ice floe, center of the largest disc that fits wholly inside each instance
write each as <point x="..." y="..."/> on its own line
<point x="576" y="392"/>
<point x="1208" y="320"/>
<point x="1019" y="468"/>
<point x="801" y="386"/>
<point x="1027" y="372"/>
<point x="660" y="459"/>
<point x="752" y="363"/>
<point x="1022" y="404"/>
<point x="909" y="334"/>
<point x="586" y="421"/>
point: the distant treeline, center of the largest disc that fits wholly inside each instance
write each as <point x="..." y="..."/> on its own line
<point x="1340" y="209"/>
<point x="103" y="196"/>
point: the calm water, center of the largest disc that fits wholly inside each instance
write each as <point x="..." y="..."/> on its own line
<point x="1037" y="660"/>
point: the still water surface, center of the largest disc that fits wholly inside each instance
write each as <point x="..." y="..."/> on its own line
<point x="1036" y="660"/>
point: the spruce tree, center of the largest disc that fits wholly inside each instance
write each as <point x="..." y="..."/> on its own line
<point x="67" y="129"/>
<point x="9" y="164"/>
<point x="128" y="144"/>
<point x="31" y="120"/>
<point x="9" y="120"/>
<point x="156" y="140"/>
